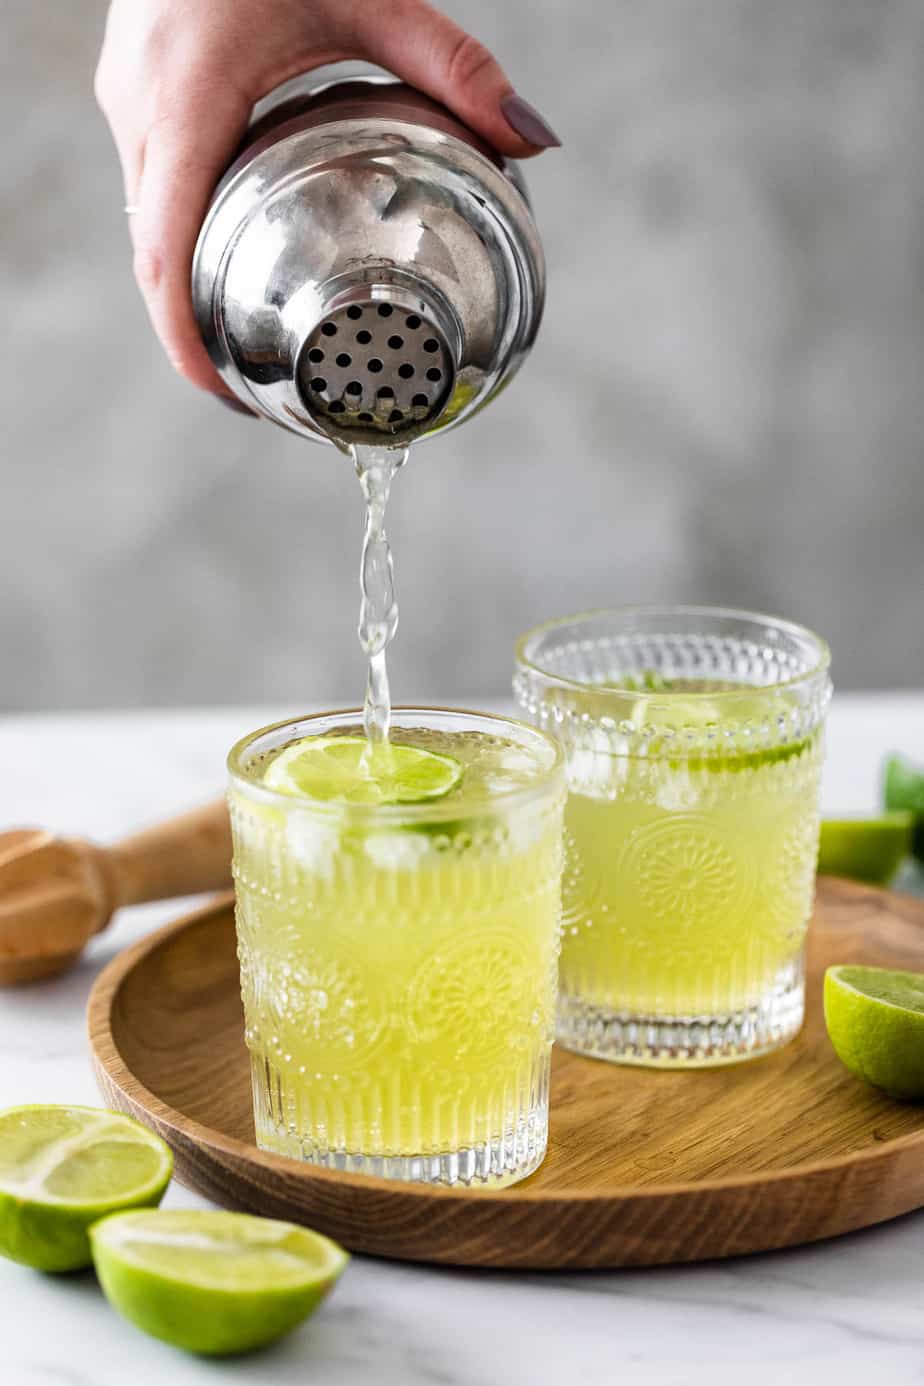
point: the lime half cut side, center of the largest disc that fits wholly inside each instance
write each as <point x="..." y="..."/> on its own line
<point x="62" y="1168"/>
<point x="865" y="849"/>
<point x="213" y="1282"/>
<point x="346" y="769"/>
<point x="875" y="1020"/>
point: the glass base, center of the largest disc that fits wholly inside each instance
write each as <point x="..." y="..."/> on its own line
<point x="505" y="1159"/>
<point x="686" y="1041"/>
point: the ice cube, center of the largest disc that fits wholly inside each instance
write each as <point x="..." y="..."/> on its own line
<point x="677" y="792"/>
<point x="595" y="773"/>
<point x="517" y="762"/>
<point x="313" y="841"/>
<point x="398" y="851"/>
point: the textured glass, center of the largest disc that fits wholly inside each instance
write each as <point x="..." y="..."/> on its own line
<point x="691" y="827"/>
<point x="398" y="971"/>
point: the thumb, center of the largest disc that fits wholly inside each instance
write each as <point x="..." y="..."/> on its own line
<point x="424" y="47"/>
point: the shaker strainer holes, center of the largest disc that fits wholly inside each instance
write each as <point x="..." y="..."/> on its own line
<point x="434" y="374"/>
<point x="419" y="402"/>
<point x="344" y="360"/>
<point x="319" y="384"/>
<point x="431" y="345"/>
<point x="413" y="321"/>
<point x="375" y="365"/>
<point x="385" y="392"/>
<point x="395" y="416"/>
<point x="354" y="311"/>
<point x="329" y="329"/>
<point x="385" y="310"/>
<point x="406" y="371"/>
<point x="396" y="343"/>
<point x="364" y="337"/>
<point x="316" y="355"/>
<point x="337" y="406"/>
<point x="365" y="417"/>
<point x="354" y="388"/>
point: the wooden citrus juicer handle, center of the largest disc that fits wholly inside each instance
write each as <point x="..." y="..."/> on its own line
<point x="56" y="892"/>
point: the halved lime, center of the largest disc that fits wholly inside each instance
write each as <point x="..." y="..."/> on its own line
<point x="62" y="1168"/>
<point x="213" y="1282"/>
<point x="865" y="849"/>
<point x="903" y="788"/>
<point x="346" y="769"/>
<point x="875" y="1020"/>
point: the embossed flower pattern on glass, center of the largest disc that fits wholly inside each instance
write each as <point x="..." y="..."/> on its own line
<point x="321" y="1004"/>
<point x="789" y="876"/>
<point x="683" y="871"/>
<point x="475" y="996"/>
<point x="580" y="885"/>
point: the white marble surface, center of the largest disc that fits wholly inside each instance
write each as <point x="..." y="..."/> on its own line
<point x="848" y="1311"/>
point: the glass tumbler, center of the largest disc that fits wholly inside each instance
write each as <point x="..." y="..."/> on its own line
<point x="693" y="742"/>
<point x="399" y="961"/>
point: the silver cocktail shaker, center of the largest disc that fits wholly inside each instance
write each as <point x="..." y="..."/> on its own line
<point x="369" y="270"/>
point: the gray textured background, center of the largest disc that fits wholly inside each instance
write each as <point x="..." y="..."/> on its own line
<point x="726" y="402"/>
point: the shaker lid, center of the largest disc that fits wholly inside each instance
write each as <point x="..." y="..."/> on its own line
<point x="365" y="98"/>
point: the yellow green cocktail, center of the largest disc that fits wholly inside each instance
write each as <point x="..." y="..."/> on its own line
<point x="694" y="744"/>
<point x="398" y="914"/>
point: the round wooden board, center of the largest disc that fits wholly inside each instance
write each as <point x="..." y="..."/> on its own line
<point x="644" y="1167"/>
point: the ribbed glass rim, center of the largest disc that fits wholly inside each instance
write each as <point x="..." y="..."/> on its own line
<point x="528" y="663"/>
<point x="550" y="778"/>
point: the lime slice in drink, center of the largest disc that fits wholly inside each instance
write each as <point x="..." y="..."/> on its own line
<point x="213" y="1282"/>
<point x="903" y="788"/>
<point x="708" y="721"/>
<point x="675" y="711"/>
<point x="62" y="1168"/>
<point x="875" y="1021"/>
<point x="345" y="769"/>
<point x="866" y="849"/>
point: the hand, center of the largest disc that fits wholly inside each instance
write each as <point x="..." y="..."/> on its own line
<point x="177" y="80"/>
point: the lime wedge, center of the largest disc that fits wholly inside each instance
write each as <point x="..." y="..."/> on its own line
<point x="903" y="788"/>
<point x="345" y="769"/>
<point x="866" y="849"/>
<point x="875" y="1021"/>
<point x="210" y="1282"/>
<point x="62" y="1168"/>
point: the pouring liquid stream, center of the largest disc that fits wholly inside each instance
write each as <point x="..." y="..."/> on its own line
<point x="378" y="612"/>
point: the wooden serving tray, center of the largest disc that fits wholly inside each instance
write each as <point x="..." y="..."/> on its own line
<point x="644" y="1166"/>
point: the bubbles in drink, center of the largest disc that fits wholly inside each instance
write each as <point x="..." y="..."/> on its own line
<point x="378" y="612"/>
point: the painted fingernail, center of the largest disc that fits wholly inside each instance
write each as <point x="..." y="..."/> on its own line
<point x="236" y="405"/>
<point x="528" y="123"/>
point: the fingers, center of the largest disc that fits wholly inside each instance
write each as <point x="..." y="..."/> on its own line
<point x="426" y="49"/>
<point x="176" y="121"/>
<point x="185" y="152"/>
